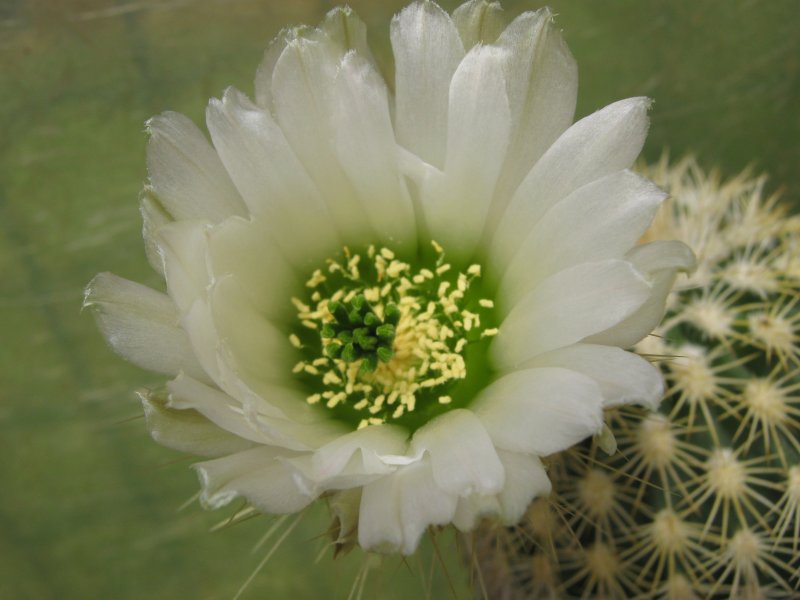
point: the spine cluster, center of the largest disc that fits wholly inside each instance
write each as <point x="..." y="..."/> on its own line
<point x="701" y="499"/>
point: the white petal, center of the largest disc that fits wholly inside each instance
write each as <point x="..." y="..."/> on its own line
<point x="379" y="527"/>
<point x="270" y="178"/>
<point x="542" y="83"/>
<point x="141" y="325"/>
<point x="660" y="261"/>
<point x="263" y="81"/>
<point x="343" y="27"/>
<point x="567" y="307"/>
<point x="472" y="508"/>
<point x="252" y="417"/>
<point x="243" y="249"/>
<point x="188" y="430"/>
<point x="478" y="127"/>
<point x="302" y="88"/>
<point x="540" y="411"/>
<point x="184" y="248"/>
<point x="367" y="150"/>
<point x="218" y="407"/>
<point x="340" y="27"/>
<point x="479" y="22"/>
<point x="623" y="377"/>
<point x="186" y="173"/>
<point x="461" y="453"/>
<point x="427" y="50"/>
<point x="154" y="216"/>
<point x="398" y="508"/>
<point x="255" y="348"/>
<point x="606" y="141"/>
<point x="199" y="326"/>
<point x="526" y="479"/>
<point x="656" y="256"/>
<point x="256" y="475"/>
<point x="600" y="220"/>
<point x="351" y="460"/>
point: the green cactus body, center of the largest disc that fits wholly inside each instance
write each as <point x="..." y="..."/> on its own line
<point x="702" y="499"/>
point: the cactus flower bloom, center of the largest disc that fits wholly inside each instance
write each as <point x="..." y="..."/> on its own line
<point x="399" y="295"/>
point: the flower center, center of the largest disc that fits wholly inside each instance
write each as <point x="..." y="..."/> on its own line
<point x="384" y="342"/>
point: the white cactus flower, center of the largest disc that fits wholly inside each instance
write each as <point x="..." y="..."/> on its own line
<point x="404" y="294"/>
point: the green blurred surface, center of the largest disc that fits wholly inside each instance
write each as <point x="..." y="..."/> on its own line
<point x="89" y="504"/>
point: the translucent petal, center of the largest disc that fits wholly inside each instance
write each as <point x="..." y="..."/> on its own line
<point x="567" y="307"/>
<point x="427" y="49"/>
<point x="540" y="411"/>
<point x="141" y="325"/>
<point x="606" y="141"/>
<point x="185" y="172"/>
<point x="461" y="454"/>
<point x="601" y="220"/>
<point x="623" y="377"/>
<point x="256" y="475"/>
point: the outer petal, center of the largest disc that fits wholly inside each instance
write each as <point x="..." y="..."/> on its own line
<point x="462" y="456"/>
<point x="526" y="479"/>
<point x="350" y="460"/>
<point x="154" y="216"/>
<point x="263" y="80"/>
<point x="367" y="150"/>
<point x="542" y="83"/>
<point x="303" y="88"/>
<point x="184" y="248"/>
<point x="601" y="220"/>
<point x="218" y="407"/>
<point x="343" y="27"/>
<point x="540" y="411"/>
<point x="660" y="261"/>
<point x="623" y="377"/>
<point x="243" y="249"/>
<point x="479" y="22"/>
<point x="141" y="325"/>
<point x="258" y="348"/>
<point x="188" y="430"/>
<point x="600" y="144"/>
<point x="186" y="173"/>
<point x="256" y="475"/>
<point x="427" y="50"/>
<point x="567" y="307"/>
<point x="253" y="418"/>
<point x="472" y="508"/>
<point x="479" y="123"/>
<point x="270" y="178"/>
<point x="379" y="527"/>
<point x="397" y="509"/>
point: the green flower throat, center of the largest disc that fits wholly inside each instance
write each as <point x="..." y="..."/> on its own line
<point x="383" y="342"/>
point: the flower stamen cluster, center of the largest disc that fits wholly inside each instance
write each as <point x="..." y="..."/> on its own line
<point x="378" y="337"/>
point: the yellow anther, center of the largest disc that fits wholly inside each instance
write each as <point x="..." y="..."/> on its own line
<point x="443" y="269"/>
<point x="316" y="278"/>
<point x="295" y="341"/>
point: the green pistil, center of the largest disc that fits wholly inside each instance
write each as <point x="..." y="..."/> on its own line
<point x="358" y="333"/>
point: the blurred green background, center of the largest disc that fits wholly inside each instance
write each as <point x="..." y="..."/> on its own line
<point x="89" y="504"/>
